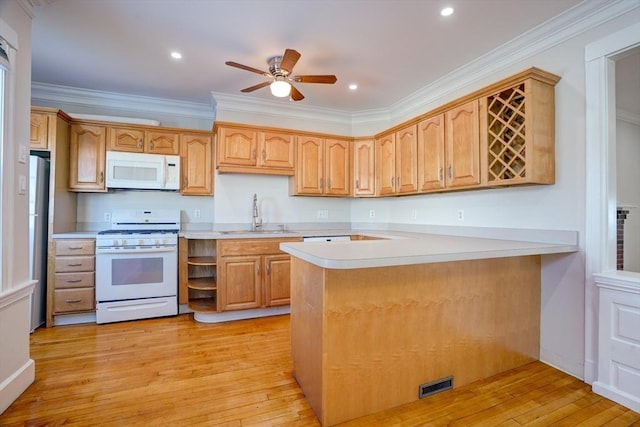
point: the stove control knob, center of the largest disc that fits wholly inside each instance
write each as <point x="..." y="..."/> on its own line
<point x="141" y="242"/>
<point x="115" y="243"/>
<point x="124" y="242"/>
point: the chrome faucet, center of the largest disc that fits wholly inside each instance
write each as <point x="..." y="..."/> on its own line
<point x="256" y="221"/>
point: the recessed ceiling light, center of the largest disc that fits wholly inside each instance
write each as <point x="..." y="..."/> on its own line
<point x="447" y="11"/>
<point x="353" y="86"/>
<point x="176" y="55"/>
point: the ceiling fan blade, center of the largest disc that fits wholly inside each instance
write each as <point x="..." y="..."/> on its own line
<point x="295" y="94"/>
<point x="328" y="79"/>
<point x="246" y="67"/>
<point x="256" y="87"/>
<point x="289" y="60"/>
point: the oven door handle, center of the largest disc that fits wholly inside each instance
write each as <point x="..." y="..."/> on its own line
<point x="137" y="250"/>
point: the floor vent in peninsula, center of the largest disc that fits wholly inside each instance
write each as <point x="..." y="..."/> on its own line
<point x="434" y="387"/>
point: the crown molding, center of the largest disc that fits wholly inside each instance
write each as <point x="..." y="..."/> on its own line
<point x="571" y="23"/>
<point x="627" y="116"/>
<point x="117" y="101"/>
<point x="579" y="19"/>
<point x="278" y="108"/>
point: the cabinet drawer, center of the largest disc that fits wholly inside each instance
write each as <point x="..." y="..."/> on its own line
<point x="69" y="300"/>
<point x="76" y="263"/>
<point x="75" y="280"/>
<point x="75" y="247"/>
<point x="252" y="246"/>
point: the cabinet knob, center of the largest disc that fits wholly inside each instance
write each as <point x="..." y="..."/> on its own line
<point x="101" y="177"/>
<point x="357" y="184"/>
<point x="258" y="269"/>
<point x="268" y="269"/>
<point x="253" y="154"/>
<point x="140" y="143"/>
<point x="151" y="144"/>
<point x="450" y="172"/>
<point x="440" y="174"/>
<point x="320" y="183"/>
<point x="393" y="180"/>
<point x="264" y="155"/>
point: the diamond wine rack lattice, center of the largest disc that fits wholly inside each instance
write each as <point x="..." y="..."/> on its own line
<point x="507" y="135"/>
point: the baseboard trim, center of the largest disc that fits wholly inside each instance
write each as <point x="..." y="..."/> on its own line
<point x="240" y="314"/>
<point x="618" y="396"/>
<point x="16" y="384"/>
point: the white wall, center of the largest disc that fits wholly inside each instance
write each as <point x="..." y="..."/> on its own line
<point x="628" y="188"/>
<point x="16" y="368"/>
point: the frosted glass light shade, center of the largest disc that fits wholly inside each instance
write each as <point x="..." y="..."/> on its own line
<point x="280" y="88"/>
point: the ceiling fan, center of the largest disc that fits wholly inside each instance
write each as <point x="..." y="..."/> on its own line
<point x="280" y="78"/>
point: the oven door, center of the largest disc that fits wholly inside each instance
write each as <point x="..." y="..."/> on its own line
<point x="126" y="274"/>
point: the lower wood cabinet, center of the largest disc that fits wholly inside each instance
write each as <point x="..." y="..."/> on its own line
<point x="74" y="277"/>
<point x="197" y="274"/>
<point x="253" y="273"/>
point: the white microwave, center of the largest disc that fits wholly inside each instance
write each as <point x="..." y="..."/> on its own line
<point x="142" y="171"/>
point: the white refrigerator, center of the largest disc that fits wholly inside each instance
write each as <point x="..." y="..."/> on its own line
<point x="38" y="222"/>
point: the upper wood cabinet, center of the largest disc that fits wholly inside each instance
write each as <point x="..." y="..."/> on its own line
<point x="87" y="158"/>
<point x="431" y="154"/>
<point x="364" y="168"/>
<point x="244" y="149"/>
<point x="197" y="164"/>
<point x="463" y="146"/>
<point x="139" y="140"/>
<point x="39" y="133"/>
<point x="323" y="167"/>
<point x="396" y="162"/>
<point x="518" y="129"/>
<point x="449" y="149"/>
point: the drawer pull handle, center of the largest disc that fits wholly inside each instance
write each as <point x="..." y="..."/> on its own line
<point x="73" y="301"/>
<point x="75" y="248"/>
<point x="75" y="265"/>
<point x="74" y="281"/>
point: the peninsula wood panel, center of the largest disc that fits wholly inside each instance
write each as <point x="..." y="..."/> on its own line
<point x="363" y="340"/>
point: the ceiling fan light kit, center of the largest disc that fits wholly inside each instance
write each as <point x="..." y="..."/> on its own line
<point x="280" y="87"/>
<point x="279" y="74"/>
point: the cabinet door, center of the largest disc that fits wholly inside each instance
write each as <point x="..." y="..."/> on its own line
<point x="406" y="160"/>
<point x="431" y="148"/>
<point x="337" y="167"/>
<point x="197" y="165"/>
<point x="162" y="142"/>
<point x="87" y="157"/>
<point x="39" y="131"/>
<point x="239" y="284"/>
<point x="363" y="168"/>
<point x="277" y="150"/>
<point x="237" y="146"/>
<point x="309" y="178"/>
<point x="125" y="139"/>
<point x="463" y="145"/>
<point x="277" y="281"/>
<point x="386" y="165"/>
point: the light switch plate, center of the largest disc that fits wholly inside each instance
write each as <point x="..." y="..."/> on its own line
<point x="22" y="184"/>
<point x="22" y="153"/>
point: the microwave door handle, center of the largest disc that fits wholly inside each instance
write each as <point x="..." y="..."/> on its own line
<point x="136" y="250"/>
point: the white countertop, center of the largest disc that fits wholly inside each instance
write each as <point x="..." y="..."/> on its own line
<point x="405" y="248"/>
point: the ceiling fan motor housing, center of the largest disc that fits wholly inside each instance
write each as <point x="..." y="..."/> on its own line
<point x="274" y="66"/>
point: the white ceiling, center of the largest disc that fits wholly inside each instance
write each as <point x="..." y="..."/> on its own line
<point x="390" y="48"/>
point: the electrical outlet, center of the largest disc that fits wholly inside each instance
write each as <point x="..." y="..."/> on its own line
<point x="372" y="214"/>
<point x="196" y="213"/>
<point x="460" y="215"/>
<point x="23" y="153"/>
<point x="323" y="214"/>
<point x="107" y="217"/>
<point x="414" y="214"/>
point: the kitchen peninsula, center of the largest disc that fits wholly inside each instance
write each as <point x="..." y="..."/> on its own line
<point x="376" y="322"/>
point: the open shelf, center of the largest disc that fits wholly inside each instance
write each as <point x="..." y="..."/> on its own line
<point x="203" y="305"/>
<point x="202" y="283"/>
<point x="202" y="260"/>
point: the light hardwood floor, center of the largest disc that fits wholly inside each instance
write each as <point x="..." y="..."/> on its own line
<point x="177" y="372"/>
